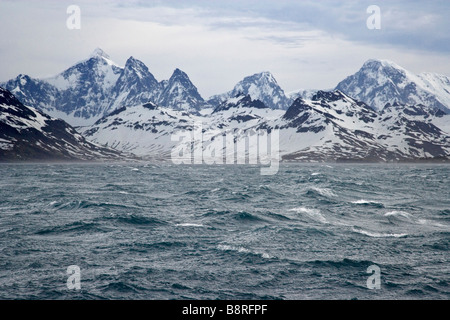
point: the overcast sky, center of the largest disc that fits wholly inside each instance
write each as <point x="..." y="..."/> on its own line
<point x="305" y="44"/>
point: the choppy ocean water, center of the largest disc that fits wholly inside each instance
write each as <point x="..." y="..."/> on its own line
<point x="164" y="231"/>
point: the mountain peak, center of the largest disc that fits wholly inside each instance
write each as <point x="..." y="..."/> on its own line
<point x="180" y="93"/>
<point x="99" y="53"/>
<point x="381" y="63"/>
<point x="260" y="86"/>
<point x="131" y="59"/>
<point x="133" y="62"/>
<point x="265" y="76"/>
<point x="177" y="73"/>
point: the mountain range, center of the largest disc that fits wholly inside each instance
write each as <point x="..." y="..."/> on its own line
<point x="329" y="127"/>
<point x="381" y="113"/>
<point x="94" y="87"/>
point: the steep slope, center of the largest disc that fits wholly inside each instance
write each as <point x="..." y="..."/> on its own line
<point x="33" y="92"/>
<point x="379" y="82"/>
<point x="28" y="134"/>
<point x="85" y="88"/>
<point x="135" y="85"/>
<point x="179" y="93"/>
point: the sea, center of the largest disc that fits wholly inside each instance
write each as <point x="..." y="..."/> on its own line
<point x="161" y="231"/>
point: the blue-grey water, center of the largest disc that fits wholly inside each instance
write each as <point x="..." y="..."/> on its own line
<point x="164" y="231"/>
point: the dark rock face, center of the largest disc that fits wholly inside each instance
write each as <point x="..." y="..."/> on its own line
<point x="240" y="101"/>
<point x="28" y="134"/>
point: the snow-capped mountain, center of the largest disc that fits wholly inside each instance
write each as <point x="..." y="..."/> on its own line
<point x="33" y="92"/>
<point x="78" y="95"/>
<point x="135" y="85"/>
<point x="381" y="113"/>
<point x="416" y="131"/>
<point x="240" y="101"/>
<point x="260" y="86"/>
<point x="96" y="86"/>
<point x="85" y="88"/>
<point x="28" y="134"/>
<point x="144" y="130"/>
<point x="179" y="93"/>
<point x="379" y="82"/>
<point x="330" y="126"/>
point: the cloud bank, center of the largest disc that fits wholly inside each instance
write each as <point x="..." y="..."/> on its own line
<point x="305" y="44"/>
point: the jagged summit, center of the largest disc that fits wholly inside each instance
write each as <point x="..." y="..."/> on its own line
<point x="99" y="55"/>
<point x="179" y="73"/>
<point x="180" y="93"/>
<point x="93" y="87"/>
<point x="138" y="68"/>
<point x="98" y="52"/>
<point x="131" y="59"/>
<point x="181" y="77"/>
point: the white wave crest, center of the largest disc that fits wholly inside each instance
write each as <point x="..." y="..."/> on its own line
<point x="312" y="213"/>
<point x="324" y="192"/>
<point x="396" y="213"/>
<point x="379" y="235"/>
<point x="225" y="247"/>
<point x="189" y="225"/>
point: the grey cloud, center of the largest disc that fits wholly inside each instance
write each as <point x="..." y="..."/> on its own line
<point x="402" y="21"/>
